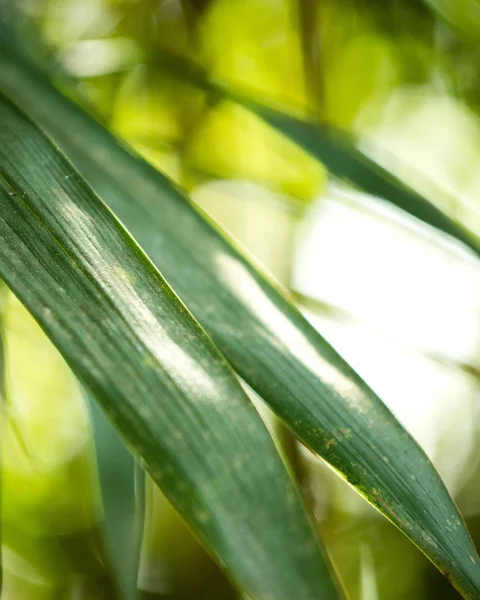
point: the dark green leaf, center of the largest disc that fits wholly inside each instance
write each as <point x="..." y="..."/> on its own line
<point x="152" y="368"/>
<point x="266" y="340"/>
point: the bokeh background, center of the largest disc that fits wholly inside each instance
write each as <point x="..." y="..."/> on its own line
<point x="398" y="300"/>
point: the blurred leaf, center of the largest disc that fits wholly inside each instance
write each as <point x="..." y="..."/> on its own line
<point x="217" y="146"/>
<point x="338" y="152"/>
<point x="255" y="44"/>
<point x="346" y="162"/>
<point x="164" y="23"/>
<point x="50" y="509"/>
<point x="116" y="472"/>
<point x="152" y="368"/>
<point x="271" y="346"/>
<point x="155" y="109"/>
<point x="2" y="407"/>
<point x="43" y="458"/>
<point x="173" y="563"/>
<point x="463" y="15"/>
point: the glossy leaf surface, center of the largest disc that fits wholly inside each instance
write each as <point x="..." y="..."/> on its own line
<point x="156" y="374"/>
<point x="266" y="340"/>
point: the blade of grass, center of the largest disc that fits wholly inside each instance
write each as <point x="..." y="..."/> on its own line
<point x="271" y="346"/>
<point x="156" y="374"/>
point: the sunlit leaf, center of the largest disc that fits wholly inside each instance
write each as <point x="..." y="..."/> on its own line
<point x="346" y="162"/>
<point x="267" y="341"/>
<point x="156" y="374"/>
<point x="337" y="151"/>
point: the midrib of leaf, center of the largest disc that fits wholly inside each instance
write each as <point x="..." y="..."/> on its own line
<point x="202" y="441"/>
<point x="266" y="340"/>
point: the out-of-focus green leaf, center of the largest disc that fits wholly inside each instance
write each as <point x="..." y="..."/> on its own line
<point x="2" y="405"/>
<point x="173" y="565"/>
<point x="346" y="162"/>
<point x="152" y="368"/>
<point x="463" y="15"/>
<point x="267" y="341"/>
<point x="116" y="473"/>
<point x="336" y="151"/>
<point x="50" y="508"/>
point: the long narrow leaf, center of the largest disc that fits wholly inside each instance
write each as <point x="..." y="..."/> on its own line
<point x="3" y="398"/>
<point x="152" y="368"/>
<point x="346" y="162"/>
<point x="335" y="149"/>
<point x="116" y="474"/>
<point x="265" y="339"/>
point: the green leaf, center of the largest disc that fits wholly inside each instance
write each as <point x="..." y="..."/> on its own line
<point x="3" y="399"/>
<point x="274" y="349"/>
<point x="156" y="374"/>
<point x="116" y="474"/>
<point x="346" y="162"/>
<point x="173" y="564"/>
<point x="335" y="149"/>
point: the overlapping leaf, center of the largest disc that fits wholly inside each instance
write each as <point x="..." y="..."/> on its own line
<point x="266" y="340"/>
<point x="152" y="368"/>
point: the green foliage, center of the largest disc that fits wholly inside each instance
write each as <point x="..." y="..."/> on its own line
<point x="166" y="383"/>
<point x="152" y="368"/>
